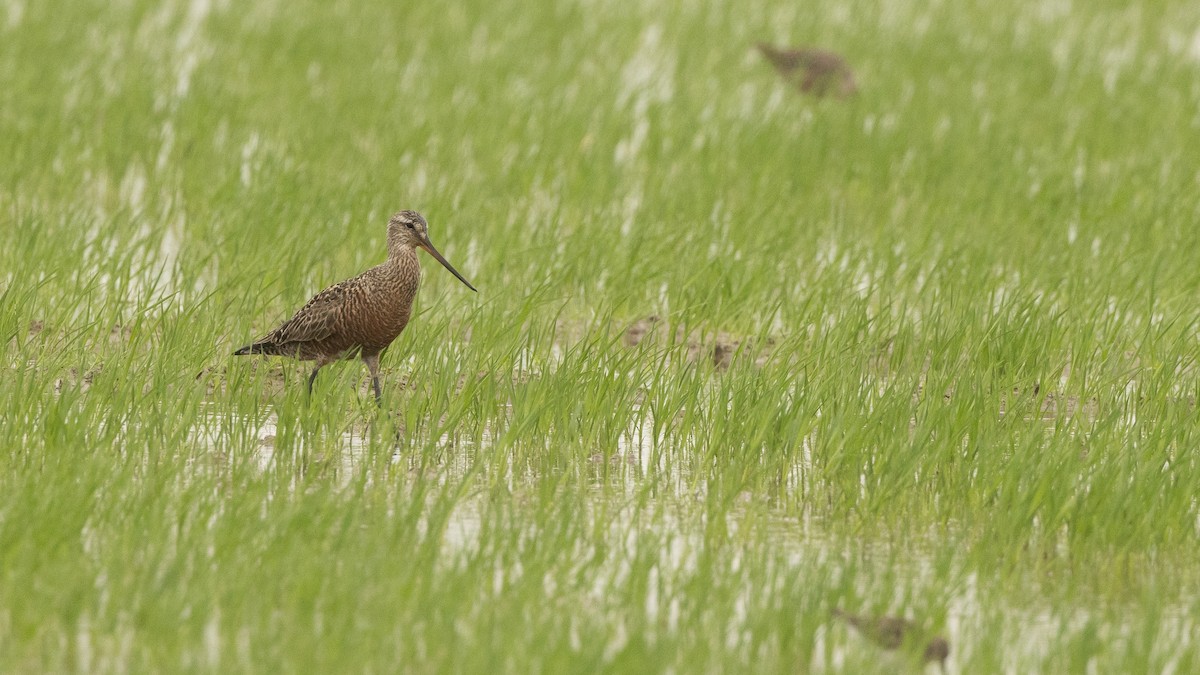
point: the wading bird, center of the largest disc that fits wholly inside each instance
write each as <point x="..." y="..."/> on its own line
<point x="359" y="316"/>
<point x="892" y="632"/>
<point x="813" y="71"/>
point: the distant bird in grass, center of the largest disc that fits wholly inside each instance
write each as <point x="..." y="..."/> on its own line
<point x="359" y="316"/>
<point x="892" y="632"/>
<point x="813" y="71"/>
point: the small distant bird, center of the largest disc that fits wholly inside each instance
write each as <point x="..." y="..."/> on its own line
<point x="722" y="354"/>
<point x="813" y="71"/>
<point x="892" y="632"/>
<point x="359" y="316"/>
<point x="640" y="328"/>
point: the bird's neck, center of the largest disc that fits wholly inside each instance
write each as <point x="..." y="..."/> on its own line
<point x="403" y="264"/>
<point x="401" y="253"/>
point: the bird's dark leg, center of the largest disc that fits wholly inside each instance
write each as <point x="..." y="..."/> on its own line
<point x="372" y="361"/>
<point x="312" y="378"/>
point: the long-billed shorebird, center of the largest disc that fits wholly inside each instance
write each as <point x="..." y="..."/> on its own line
<point x="892" y="632"/>
<point x="813" y="71"/>
<point x="359" y="316"/>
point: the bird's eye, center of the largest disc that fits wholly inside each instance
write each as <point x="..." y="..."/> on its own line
<point x="408" y="224"/>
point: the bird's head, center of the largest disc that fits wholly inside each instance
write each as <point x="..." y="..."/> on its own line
<point x="408" y="230"/>
<point x="937" y="650"/>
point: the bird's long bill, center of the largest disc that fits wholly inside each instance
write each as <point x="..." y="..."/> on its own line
<point x="428" y="246"/>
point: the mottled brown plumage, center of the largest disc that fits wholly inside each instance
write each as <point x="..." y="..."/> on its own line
<point x="892" y="632"/>
<point x="359" y="316"/>
<point x="813" y="71"/>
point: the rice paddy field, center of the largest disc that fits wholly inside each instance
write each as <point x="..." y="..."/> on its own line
<point x="740" y="357"/>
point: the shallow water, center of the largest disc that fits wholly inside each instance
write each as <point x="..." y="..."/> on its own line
<point x="669" y="525"/>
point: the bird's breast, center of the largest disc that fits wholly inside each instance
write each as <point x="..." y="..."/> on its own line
<point x="385" y="308"/>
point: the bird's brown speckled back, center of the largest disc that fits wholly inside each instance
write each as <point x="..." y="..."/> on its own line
<point x="813" y="71"/>
<point x="363" y="314"/>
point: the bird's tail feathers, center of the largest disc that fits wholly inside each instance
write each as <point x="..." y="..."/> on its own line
<point x="255" y="348"/>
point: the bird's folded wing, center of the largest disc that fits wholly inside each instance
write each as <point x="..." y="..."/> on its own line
<point x="316" y="320"/>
